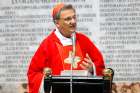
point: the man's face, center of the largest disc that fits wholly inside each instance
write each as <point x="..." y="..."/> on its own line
<point x="67" y="22"/>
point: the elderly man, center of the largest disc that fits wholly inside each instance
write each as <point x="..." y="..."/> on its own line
<point x="57" y="51"/>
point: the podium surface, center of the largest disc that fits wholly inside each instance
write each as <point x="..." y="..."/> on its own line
<point x="80" y="84"/>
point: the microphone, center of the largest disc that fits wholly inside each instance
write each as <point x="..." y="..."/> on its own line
<point x="73" y="37"/>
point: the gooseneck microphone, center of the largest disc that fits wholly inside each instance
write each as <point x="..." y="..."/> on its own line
<point x="73" y="37"/>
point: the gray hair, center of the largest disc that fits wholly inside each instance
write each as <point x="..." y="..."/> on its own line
<point x="66" y="7"/>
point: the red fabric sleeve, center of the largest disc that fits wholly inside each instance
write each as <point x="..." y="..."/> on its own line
<point x="94" y="53"/>
<point x="35" y="71"/>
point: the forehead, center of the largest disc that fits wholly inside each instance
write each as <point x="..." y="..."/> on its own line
<point x="67" y="13"/>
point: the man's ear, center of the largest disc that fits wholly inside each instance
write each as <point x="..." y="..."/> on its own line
<point x="56" y="23"/>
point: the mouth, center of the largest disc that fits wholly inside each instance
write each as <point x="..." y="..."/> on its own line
<point x="73" y="26"/>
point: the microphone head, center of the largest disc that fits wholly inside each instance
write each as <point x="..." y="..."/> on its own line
<point x="73" y="37"/>
<point x="73" y="33"/>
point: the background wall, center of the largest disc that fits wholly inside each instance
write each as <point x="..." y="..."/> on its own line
<point x="113" y="25"/>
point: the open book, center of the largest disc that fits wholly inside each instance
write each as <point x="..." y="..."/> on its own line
<point x="75" y="73"/>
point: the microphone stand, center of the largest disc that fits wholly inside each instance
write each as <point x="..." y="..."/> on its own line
<point x="73" y="57"/>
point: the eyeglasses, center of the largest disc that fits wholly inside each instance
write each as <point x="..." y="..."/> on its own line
<point x="69" y="18"/>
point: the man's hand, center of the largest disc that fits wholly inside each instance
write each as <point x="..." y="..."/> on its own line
<point x="87" y="64"/>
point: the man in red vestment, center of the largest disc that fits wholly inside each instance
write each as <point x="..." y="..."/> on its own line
<point x="56" y="50"/>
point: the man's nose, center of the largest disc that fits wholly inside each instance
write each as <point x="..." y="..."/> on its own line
<point x="73" y="20"/>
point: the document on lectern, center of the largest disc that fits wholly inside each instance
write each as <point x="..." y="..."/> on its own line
<point x="75" y="73"/>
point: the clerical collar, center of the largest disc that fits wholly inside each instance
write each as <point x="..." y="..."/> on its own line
<point x="65" y="41"/>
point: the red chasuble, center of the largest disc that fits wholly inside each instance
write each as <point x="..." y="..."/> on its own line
<point x="51" y="53"/>
<point x="66" y="55"/>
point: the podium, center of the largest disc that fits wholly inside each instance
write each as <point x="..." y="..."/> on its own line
<point x="80" y="84"/>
